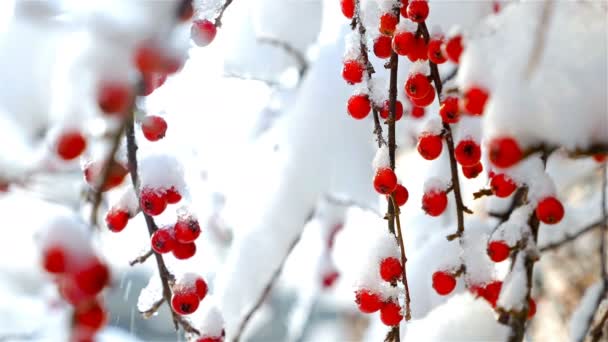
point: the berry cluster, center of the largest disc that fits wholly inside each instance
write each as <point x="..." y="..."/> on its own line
<point x="369" y="301"/>
<point x="188" y="292"/>
<point x="178" y="238"/>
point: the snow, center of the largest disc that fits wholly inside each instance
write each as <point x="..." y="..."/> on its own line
<point x="513" y="291"/>
<point x="382" y="158"/>
<point x="584" y="312"/>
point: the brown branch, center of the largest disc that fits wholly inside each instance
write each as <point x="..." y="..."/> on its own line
<point x="290" y="50"/>
<point x="597" y="331"/>
<point x="258" y="303"/>
<point x="153" y="309"/>
<point x="570" y="237"/>
<point x="218" y="19"/>
<point x="401" y="241"/>
<point x="142" y="258"/>
<point x="482" y="192"/>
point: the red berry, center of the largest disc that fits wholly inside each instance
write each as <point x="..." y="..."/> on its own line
<point x="491" y="292"/>
<point x="403" y="9"/>
<point x="367" y="301"/>
<point x="403" y="43"/>
<point x="114" y="97"/>
<point x="425" y="101"/>
<point x="152" y="202"/>
<point x="401" y="195"/>
<point x="467" y="152"/>
<point x="116" y="175"/>
<point x="388" y="23"/>
<point x="184" y="303"/>
<point x="475" y="99"/>
<point x="163" y="240"/>
<point x="210" y="339"/>
<point x="417" y="112"/>
<point x="184" y="251"/>
<point x="600" y="157"/>
<point x="69" y="291"/>
<point x="498" y="251"/>
<point x="92" y="277"/>
<point x="418" y="10"/>
<point x="453" y="48"/>
<point x="359" y="106"/>
<point x="203" y="32"/>
<point x="329" y="279"/>
<point x="149" y="58"/>
<point x="117" y="219"/>
<point x="390" y="269"/>
<point x="185" y="11"/>
<point x="390" y="314"/>
<point x="70" y="145"/>
<point x="187" y="230"/>
<point x="434" y="202"/>
<point x="419" y="50"/>
<point x="153" y="81"/>
<point x="443" y="282"/>
<point x="550" y="210"/>
<point x="90" y="315"/>
<point x="348" y="8"/>
<point x="382" y="46"/>
<point x="172" y="196"/>
<point x="531" y="308"/>
<point x="504" y="152"/>
<point x="435" y="51"/>
<point x="385" y="181"/>
<point x="472" y="171"/>
<point x="201" y="288"/>
<point x="352" y="72"/>
<point x="502" y="185"/>
<point x="154" y="127"/>
<point x="430" y="146"/>
<point x="449" y="110"/>
<point x="385" y="110"/>
<point x="417" y="86"/>
<point x="54" y="259"/>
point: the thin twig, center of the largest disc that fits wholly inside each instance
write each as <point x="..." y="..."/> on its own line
<point x="570" y="237"/>
<point x="142" y="258"/>
<point x="258" y="303"/>
<point x="218" y="19"/>
<point x="290" y="50"/>
<point x="401" y="240"/>
<point x="153" y="309"/>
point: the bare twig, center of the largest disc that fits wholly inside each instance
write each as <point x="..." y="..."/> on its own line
<point x="258" y="303"/>
<point x="290" y="50"/>
<point x="142" y="258"/>
<point x="570" y="237"/>
<point x="401" y="240"/>
<point x="153" y="309"/>
<point x="220" y="15"/>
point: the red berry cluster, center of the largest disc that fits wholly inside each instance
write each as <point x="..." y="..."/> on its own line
<point x="385" y="183"/>
<point x="370" y="302"/>
<point x="154" y="201"/>
<point x="178" y="238"/>
<point x="188" y="292"/>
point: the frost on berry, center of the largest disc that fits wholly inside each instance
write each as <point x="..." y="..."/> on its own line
<point x="352" y="71"/>
<point x="163" y="240"/>
<point x="153" y="127"/>
<point x="187" y="229"/>
<point x="152" y="201"/>
<point x="93" y="173"/>
<point x="203" y="32"/>
<point x="390" y="269"/>
<point x="367" y="301"/>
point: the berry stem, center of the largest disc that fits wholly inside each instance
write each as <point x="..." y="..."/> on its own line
<point x="218" y="19"/>
<point x="142" y="258"/>
<point x="400" y="238"/>
<point x="460" y="208"/>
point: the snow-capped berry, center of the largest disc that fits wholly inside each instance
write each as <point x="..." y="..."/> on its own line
<point x="498" y="251"/>
<point x="449" y="110"/>
<point x="417" y="112"/>
<point x="502" y="186"/>
<point x="403" y="42"/>
<point x="152" y="202"/>
<point x="419" y="50"/>
<point x="54" y="259"/>
<point x="185" y="302"/>
<point x="550" y="210"/>
<point x="430" y="146"/>
<point x="472" y="171"/>
<point x="352" y="72"/>
<point x="152" y="81"/>
<point x="117" y="219"/>
<point x="382" y="46"/>
<point x="172" y="196"/>
<point x="185" y="10"/>
<point x="417" y="86"/>
<point x="418" y="10"/>
<point x="149" y="58"/>
<point x="359" y="106"/>
<point x="187" y="230"/>
<point x="385" y="110"/>
<point x="70" y="145"/>
<point x="475" y="99"/>
<point x="403" y="9"/>
<point x="153" y="127"/>
<point x="531" y="308"/>
<point x="504" y="152"/>
<point x="348" y="8"/>
<point x="435" y="51"/>
<point x="116" y="175"/>
<point x="329" y="279"/>
<point x="203" y="32"/>
<point x="426" y="100"/>
<point x="92" y="277"/>
<point x="390" y="269"/>
<point x="385" y="181"/>
<point x="201" y="288"/>
<point x="390" y="313"/>
<point x="90" y="316"/>
<point x="453" y="48"/>
<point x="114" y="97"/>
<point x="491" y="292"/>
<point x="434" y="202"/>
<point x="183" y="251"/>
<point x="401" y="195"/>
<point x="367" y="301"/>
<point x="467" y="152"/>
<point x="443" y="282"/>
<point x="163" y="240"/>
<point x="388" y="23"/>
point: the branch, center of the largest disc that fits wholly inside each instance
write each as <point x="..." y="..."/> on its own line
<point x="290" y="50"/>
<point x="408" y="310"/>
<point x="265" y="292"/>
<point x="142" y="258"/>
<point x="218" y="19"/>
<point x="570" y="237"/>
